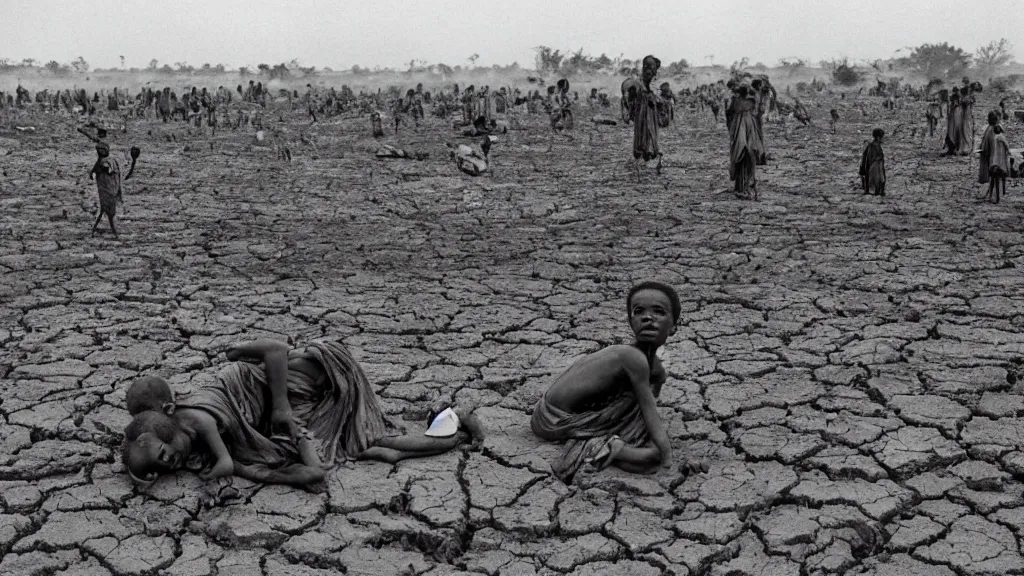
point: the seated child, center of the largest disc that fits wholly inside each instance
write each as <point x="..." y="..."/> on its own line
<point x="603" y="407"/>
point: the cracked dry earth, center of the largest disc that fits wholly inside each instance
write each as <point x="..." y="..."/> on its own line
<point x="847" y="364"/>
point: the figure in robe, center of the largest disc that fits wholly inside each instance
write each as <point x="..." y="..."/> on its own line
<point x="966" y="144"/>
<point x="999" y="164"/>
<point x="954" y="125"/>
<point x="872" y="165"/>
<point x="745" y="145"/>
<point x="644" y="114"/>
<point x="987" y="145"/>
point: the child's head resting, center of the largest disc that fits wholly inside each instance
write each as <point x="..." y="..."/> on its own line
<point x="998" y="130"/>
<point x="149" y="393"/>
<point x="153" y="444"/>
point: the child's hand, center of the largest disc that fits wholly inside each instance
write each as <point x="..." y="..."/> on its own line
<point x="223" y="467"/>
<point x="282" y="423"/>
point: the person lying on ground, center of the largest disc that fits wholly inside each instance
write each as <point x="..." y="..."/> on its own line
<point x="470" y="159"/>
<point x="603" y="408"/>
<point x="282" y="421"/>
<point x="389" y="151"/>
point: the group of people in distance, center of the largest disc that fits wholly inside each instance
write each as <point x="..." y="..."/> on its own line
<point x="288" y="415"/>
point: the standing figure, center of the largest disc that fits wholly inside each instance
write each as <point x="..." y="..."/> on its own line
<point x="110" y="177"/>
<point x="376" y="125"/>
<point x="954" y="124"/>
<point x="932" y="115"/>
<point x="967" y="125"/>
<point x="999" y="164"/>
<point x="872" y="165"/>
<point x="745" y="145"/>
<point x="667" y="105"/>
<point x="561" y="107"/>
<point x="833" y="119"/>
<point x="987" y="146"/>
<point x="644" y="113"/>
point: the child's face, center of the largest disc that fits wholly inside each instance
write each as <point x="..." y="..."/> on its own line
<point x="164" y="456"/>
<point x="650" y="317"/>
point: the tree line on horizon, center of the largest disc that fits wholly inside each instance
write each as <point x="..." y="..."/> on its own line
<point x="934" y="61"/>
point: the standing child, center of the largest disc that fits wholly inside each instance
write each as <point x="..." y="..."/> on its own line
<point x="999" y="165"/>
<point x="108" y="172"/>
<point x="872" y="165"/>
<point x="645" y="115"/>
<point x="988" y="141"/>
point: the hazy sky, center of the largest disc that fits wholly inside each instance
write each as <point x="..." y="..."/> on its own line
<point x="341" y="33"/>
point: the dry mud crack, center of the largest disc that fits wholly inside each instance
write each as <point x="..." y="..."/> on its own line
<point x="848" y="365"/>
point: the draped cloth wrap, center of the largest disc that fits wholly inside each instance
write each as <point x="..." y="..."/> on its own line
<point x="872" y="167"/>
<point x="745" y="144"/>
<point x="339" y="410"/>
<point x="967" y="126"/>
<point x="988" y="141"/>
<point x="645" y="125"/>
<point x="587" y="432"/>
<point x="999" y="164"/>
<point x="960" y="127"/>
<point x="110" y="179"/>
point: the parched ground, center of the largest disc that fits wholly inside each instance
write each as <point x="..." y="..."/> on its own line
<point x="847" y="364"/>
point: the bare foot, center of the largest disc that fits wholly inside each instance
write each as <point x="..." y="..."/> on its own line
<point x="469" y="421"/>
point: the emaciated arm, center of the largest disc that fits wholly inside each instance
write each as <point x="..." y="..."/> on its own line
<point x="638" y="371"/>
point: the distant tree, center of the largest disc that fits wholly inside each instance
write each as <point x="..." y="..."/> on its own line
<point x="844" y="74"/>
<point x="220" y="69"/>
<point x="57" y="69"/>
<point x="244" y="71"/>
<point x="548" y="60"/>
<point x="994" y="55"/>
<point x="166" y="69"/>
<point x="680" y="68"/>
<point x="445" y="69"/>
<point x="472" y="59"/>
<point x="576" y="62"/>
<point x="80" y="65"/>
<point x="603" y="62"/>
<point x="153" y="64"/>
<point x="28" y="62"/>
<point x="264" y="69"/>
<point x="280" y="71"/>
<point x="938" y="60"/>
<point x="356" y="69"/>
<point x="328" y="69"/>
